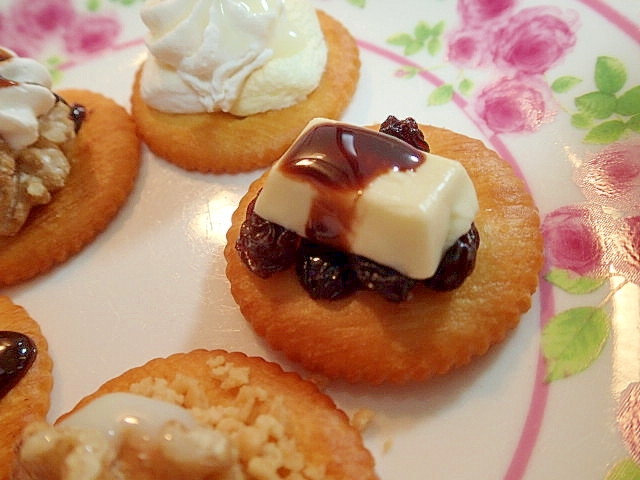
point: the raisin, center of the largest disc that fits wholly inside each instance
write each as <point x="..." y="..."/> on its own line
<point x="265" y="247"/>
<point x="78" y="114"/>
<point x="457" y="263"/>
<point x="406" y="130"/>
<point x="324" y="271"/>
<point x="393" y="285"/>
<point x="17" y="353"/>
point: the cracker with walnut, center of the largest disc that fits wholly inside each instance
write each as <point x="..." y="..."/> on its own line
<point x="105" y="158"/>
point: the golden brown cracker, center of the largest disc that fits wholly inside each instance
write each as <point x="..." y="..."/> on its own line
<point x="105" y="162"/>
<point x="28" y="400"/>
<point x="223" y="143"/>
<point x="365" y="338"/>
<point x="321" y="431"/>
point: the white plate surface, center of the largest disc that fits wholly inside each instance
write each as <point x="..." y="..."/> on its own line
<point x="528" y="78"/>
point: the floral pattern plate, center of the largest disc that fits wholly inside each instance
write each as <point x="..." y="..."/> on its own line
<point x="554" y="87"/>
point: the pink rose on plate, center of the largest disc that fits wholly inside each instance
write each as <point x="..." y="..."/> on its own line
<point x="535" y="39"/>
<point x="514" y="105"/>
<point x="612" y="177"/>
<point x="623" y="248"/>
<point x="572" y="240"/>
<point x="478" y="12"/>
<point x="628" y="417"/>
<point x="91" y="33"/>
<point x="38" y="19"/>
<point x="469" y="47"/>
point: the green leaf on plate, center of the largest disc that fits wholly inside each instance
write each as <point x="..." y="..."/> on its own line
<point x="441" y="95"/>
<point x="572" y="283"/>
<point x="400" y="39"/>
<point x="358" y="3"/>
<point x="438" y="28"/>
<point x="610" y="74"/>
<point x="573" y="340"/>
<point x="564" y="84"/>
<point x="629" y="102"/>
<point x="465" y="86"/>
<point x="581" y="120"/>
<point x="408" y="71"/>
<point x="625" y="469"/>
<point x="633" y="123"/>
<point x="56" y="76"/>
<point x="53" y="65"/>
<point x="606" y="132"/>
<point x="422" y="31"/>
<point x="434" y="45"/>
<point x="596" y="104"/>
<point x="413" y="47"/>
<point x="93" y="5"/>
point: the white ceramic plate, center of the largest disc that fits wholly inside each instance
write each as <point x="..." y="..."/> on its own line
<point x="555" y="90"/>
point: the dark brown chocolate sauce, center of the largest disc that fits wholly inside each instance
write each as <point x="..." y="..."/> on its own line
<point x="340" y="160"/>
<point x="17" y="353"/>
<point x="5" y="82"/>
<point x="5" y="55"/>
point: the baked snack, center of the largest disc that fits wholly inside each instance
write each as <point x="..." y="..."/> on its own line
<point x="221" y="142"/>
<point x="105" y="160"/>
<point x="278" y="425"/>
<point x="27" y="400"/>
<point x="366" y="338"/>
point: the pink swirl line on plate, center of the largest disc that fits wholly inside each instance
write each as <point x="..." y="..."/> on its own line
<point x="539" y="396"/>
<point x="614" y="16"/>
<point x="540" y="393"/>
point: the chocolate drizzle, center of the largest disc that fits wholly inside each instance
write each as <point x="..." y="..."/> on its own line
<point x="5" y="55"/>
<point x="5" y="82"/>
<point x="340" y="160"/>
<point x="17" y="354"/>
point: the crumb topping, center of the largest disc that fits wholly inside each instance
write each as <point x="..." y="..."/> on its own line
<point x="255" y="421"/>
<point x="362" y="418"/>
<point x="244" y="436"/>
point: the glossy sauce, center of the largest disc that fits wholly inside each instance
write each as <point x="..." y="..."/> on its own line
<point x="17" y="353"/>
<point x="340" y="160"/>
<point x="5" y="55"/>
<point x="5" y="82"/>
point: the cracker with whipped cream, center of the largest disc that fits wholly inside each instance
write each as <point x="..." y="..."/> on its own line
<point x="64" y="174"/>
<point x="220" y="104"/>
<point x="376" y="332"/>
<point x="25" y="378"/>
<point x="200" y="415"/>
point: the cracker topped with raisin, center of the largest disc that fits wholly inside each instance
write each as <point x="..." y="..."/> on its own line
<point x="399" y="318"/>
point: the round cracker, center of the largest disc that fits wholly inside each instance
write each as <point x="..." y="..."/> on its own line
<point x="223" y="143"/>
<point x="28" y="401"/>
<point x="365" y="338"/>
<point x="322" y="432"/>
<point x="105" y="163"/>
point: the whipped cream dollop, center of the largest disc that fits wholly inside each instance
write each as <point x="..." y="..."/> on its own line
<point x="25" y="95"/>
<point x="237" y="56"/>
<point x="370" y="194"/>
